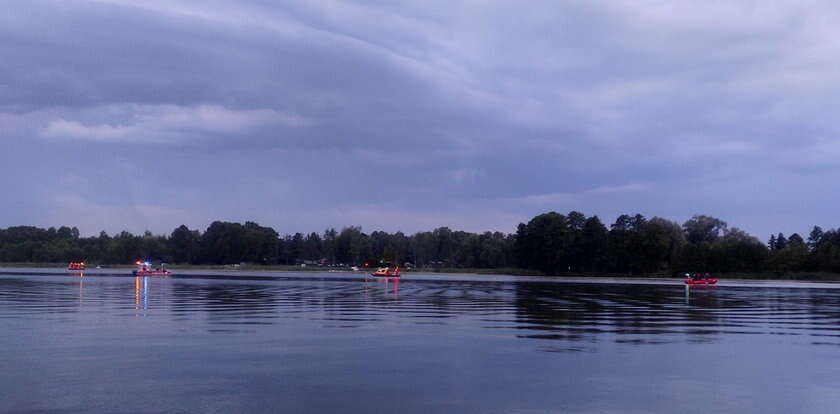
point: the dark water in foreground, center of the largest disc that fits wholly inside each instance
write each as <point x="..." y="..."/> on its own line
<point x="323" y="343"/>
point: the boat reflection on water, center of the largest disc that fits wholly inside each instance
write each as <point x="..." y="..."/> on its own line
<point x="390" y="285"/>
<point x="141" y="292"/>
<point x="81" y="288"/>
<point x="701" y="287"/>
<point x="395" y="285"/>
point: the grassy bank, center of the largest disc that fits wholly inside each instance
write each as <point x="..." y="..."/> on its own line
<point x="799" y="276"/>
<point x="501" y="271"/>
<point x="286" y="268"/>
<point x="215" y="268"/>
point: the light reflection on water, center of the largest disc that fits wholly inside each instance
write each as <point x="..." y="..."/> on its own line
<point x="321" y="342"/>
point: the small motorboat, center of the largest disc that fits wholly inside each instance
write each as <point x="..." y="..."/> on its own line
<point x="709" y="281"/>
<point x="699" y="279"/>
<point x="386" y="272"/>
<point x="145" y="269"/>
<point x="76" y="266"/>
<point x="153" y="272"/>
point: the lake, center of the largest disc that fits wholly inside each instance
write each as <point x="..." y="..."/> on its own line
<point x="343" y="343"/>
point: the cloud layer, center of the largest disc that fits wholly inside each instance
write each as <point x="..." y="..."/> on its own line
<point x="408" y="115"/>
<point x="165" y="124"/>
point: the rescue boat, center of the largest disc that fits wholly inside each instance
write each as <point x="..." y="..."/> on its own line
<point x="386" y="272"/>
<point x="145" y="269"/>
<point x="76" y="266"/>
<point x="701" y="281"/>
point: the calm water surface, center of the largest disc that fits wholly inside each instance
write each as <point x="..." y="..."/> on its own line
<point x="335" y="343"/>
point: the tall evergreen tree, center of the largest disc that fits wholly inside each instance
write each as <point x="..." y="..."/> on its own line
<point x="795" y="239"/>
<point x="815" y="237"/>
<point x="781" y="241"/>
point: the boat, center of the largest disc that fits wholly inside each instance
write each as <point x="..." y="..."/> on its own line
<point x="386" y="272"/>
<point x="76" y="266"/>
<point x="711" y="281"/>
<point x="145" y="269"/>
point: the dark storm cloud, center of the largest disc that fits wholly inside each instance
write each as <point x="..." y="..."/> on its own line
<point x="409" y="115"/>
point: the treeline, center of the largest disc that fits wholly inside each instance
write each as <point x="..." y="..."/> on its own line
<point x="234" y="243"/>
<point x="552" y="243"/>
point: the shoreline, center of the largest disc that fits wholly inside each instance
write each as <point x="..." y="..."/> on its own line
<point x="190" y="271"/>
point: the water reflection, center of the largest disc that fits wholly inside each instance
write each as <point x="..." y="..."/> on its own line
<point x="389" y="285"/>
<point x="141" y="292"/>
<point x="571" y="316"/>
<point x="315" y="343"/>
<point x="646" y="314"/>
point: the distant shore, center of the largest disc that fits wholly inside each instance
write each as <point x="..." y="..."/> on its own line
<point x="799" y="276"/>
<point x="289" y="269"/>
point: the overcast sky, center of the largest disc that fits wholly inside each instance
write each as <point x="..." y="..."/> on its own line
<point x="395" y="115"/>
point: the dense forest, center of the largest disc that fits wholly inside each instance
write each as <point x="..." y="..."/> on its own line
<point x="550" y="243"/>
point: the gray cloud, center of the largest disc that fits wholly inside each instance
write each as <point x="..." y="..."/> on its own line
<point x="409" y="115"/>
<point x="164" y="124"/>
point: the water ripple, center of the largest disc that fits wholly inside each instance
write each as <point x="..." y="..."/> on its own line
<point x="625" y="314"/>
